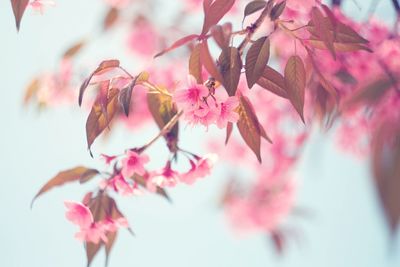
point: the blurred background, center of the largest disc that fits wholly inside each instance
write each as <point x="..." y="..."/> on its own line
<point x="342" y="225"/>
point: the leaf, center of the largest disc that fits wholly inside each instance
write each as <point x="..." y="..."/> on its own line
<point x="142" y="182"/>
<point x="256" y="60"/>
<point x="125" y="95"/>
<point x="273" y="81"/>
<point x="88" y="175"/>
<point x="340" y="47"/>
<point x="230" y="65"/>
<point x="253" y="7"/>
<point x="208" y="62"/>
<point x="75" y="49"/>
<point x="178" y="43"/>
<point x="71" y="175"/>
<point x="369" y="94"/>
<point x="322" y="28"/>
<point x="91" y="251"/>
<point x="111" y="236"/>
<point x="111" y="18"/>
<point x="100" y="116"/>
<point x="18" y="7"/>
<point x="277" y="10"/>
<point x="249" y="127"/>
<point x="31" y="90"/>
<point x="229" y="129"/>
<point x="105" y="65"/>
<point x="222" y="34"/>
<point x="214" y="12"/>
<point x="295" y="83"/>
<point x="195" y="64"/>
<point x="386" y="170"/>
<point x="163" y="110"/>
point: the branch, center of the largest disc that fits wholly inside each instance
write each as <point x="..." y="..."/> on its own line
<point x="396" y="6"/>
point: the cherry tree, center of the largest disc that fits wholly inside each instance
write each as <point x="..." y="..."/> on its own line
<point x="264" y="72"/>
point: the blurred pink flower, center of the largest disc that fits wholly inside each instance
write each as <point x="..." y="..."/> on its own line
<point x="199" y="169"/>
<point x="167" y="177"/>
<point x="39" y="5"/>
<point x="78" y="214"/>
<point x="94" y="233"/>
<point x="134" y="163"/>
<point x="227" y="112"/>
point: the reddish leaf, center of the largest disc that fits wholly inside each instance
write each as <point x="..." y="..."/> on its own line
<point x="88" y="175"/>
<point x="18" y="7"/>
<point x="100" y="117"/>
<point x="295" y="83"/>
<point x="163" y="110"/>
<point x="253" y="7"/>
<point x="222" y="34"/>
<point x="91" y="251"/>
<point x="256" y="60"/>
<point x="125" y="95"/>
<point x="340" y="47"/>
<point x="386" y="169"/>
<point x="111" y="18"/>
<point x="208" y="62"/>
<point x="179" y="43"/>
<point x="111" y="236"/>
<point x="369" y="94"/>
<point x="31" y="90"/>
<point x="277" y="10"/>
<point x="322" y="28"/>
<point x="63" y="177"/>
<point x="75" y="49"/>
<point x="230" y="65"/>
<point x="273" y="81"/>
<point x="195" y="64"/>
<point x="229" y="129"/>
<point x="104" y="66"/>
<point x="249" y="127"/>
<point x="214" y="12"/>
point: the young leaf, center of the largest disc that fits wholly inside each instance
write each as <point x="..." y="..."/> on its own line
<point x="111" y="18"/>
<point x="386" y="170"/>
<point x="253" y="7"/>
<point x="91" y="251"/>
<point x="249" y="127"/>
<point x="229" y="129"/>
<point x="104" y="66"/>
<point x="163" y="110"/>
<point x="195" y="64"/>
<point x="88" y="175"/>
<point x="111" y="237"/>
<point x="208" y="62"/>
<point x="178" y="43"/>
<point x="256" y="60"/>
<point x="71" y="175"/>
<point x="277" y="10"/>
<point x="125" y="95"/>
<point x="322" y="28"/>
<point x="214" y="12"/>
<point x="75" y="49"/>
<point x="18" y="7"/>
<point x="100" y="116"/>
<point x="222" y="34"/>
<point x="273" y="81"/>
<point x="295" y="83"/>
<point x="230" y="68"/>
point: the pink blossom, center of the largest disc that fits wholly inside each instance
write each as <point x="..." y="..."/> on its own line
<point x="199" y="169"/>
<point x="78" y="214"/>
<point x="120" y="185"/>
<point x="94" y="233"/>
<point x="191" y="96"/>
<point x="205" y="114"/>
<point x="111" y="225"/>
<point x="108" y="159"/>
<point x="39" y="5"/>
<point x="227" y="112"/>
<point x="167" y="177"/>
<point x="134" y="163"/>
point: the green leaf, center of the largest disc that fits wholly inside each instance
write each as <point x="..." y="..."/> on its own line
<point x="295" y="83"/>
<point x="256" y="60"/>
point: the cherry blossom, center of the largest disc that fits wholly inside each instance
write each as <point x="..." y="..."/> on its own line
<point x="39" y="5"/>
<point x="199" y="169"/>
<point x="133" y="163"/>
<point x="191" y="96"/>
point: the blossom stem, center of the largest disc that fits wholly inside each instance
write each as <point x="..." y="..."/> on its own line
<point x="166" y="129"/>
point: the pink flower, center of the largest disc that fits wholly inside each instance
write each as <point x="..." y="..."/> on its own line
<point x="94" y="233"/>
<point x="112" y="225"/>
<point x="227" y="112"/>
<point x="199" y="169"/>
<point x="39" y="5"/>
<point x="165" y="178"/>
<point x="205" y="114"/>
<point x="78" y="214"/>
<point x="134" y="163"/>
<point x="108" y="159"/>
<point x="191" y="96"/>
<point x="120" y="185"/>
